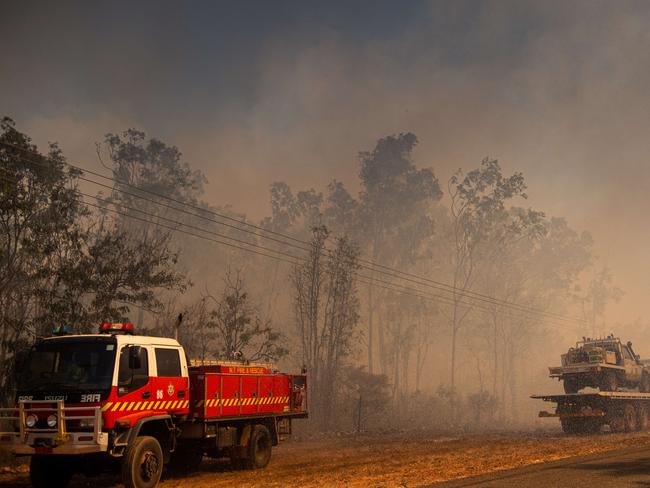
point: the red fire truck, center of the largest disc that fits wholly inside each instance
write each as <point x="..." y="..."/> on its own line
<point x="117" y="400"/>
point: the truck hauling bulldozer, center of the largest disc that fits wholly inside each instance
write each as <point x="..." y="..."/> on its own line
<point x="616" y="371"/>
<point x="606" y="364"/>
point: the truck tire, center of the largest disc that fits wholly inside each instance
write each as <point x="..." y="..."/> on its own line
<point x="643" y="419"/>
<point x="616" y="423"/>
<point x="142" y="464"/>
<point x="568" y="425"/>
<point x="616" y="420"/>
<point x="50" y="472"/>
<point x="592" y="425"/>
<point x="608" y="381"/>
<point x="259" y="448"/>
<point x="571" y="384"/>
<point x="186" y="458"/>
<point x="630" y="415"/>
<point x="578" y="425"/>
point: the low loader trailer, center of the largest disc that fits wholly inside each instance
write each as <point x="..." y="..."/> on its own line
<point x="130" y="403"/>
<point x="589" y="412"/>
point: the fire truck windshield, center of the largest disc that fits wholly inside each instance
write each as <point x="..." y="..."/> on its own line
<point x="65" y="365"/>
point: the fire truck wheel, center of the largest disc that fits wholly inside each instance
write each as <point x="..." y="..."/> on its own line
<point x="142" y="464"/>
<point x="629" y="412"/>
<point x="49" y="471"/>
<point x="259" y="448"/>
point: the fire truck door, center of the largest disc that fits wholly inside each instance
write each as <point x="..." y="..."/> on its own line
<point x="169" y="384"/>
<point x="133" y="385"/>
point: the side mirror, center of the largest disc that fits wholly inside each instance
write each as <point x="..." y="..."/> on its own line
<point x="135" y="357"/>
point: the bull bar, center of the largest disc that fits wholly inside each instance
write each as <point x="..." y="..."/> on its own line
<point x="25" y="440"/>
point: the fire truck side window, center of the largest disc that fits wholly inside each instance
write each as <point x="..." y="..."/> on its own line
<point x="168" y="362"/>
<point x="132" y="378"/>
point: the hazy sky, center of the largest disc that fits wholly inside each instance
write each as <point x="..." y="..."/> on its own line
<point x="265" y="91"/>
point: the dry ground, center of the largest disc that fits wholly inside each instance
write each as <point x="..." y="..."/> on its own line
<point x="397" y="460"/>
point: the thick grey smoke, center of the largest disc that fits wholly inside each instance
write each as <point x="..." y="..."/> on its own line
<point x="275" y="92"/>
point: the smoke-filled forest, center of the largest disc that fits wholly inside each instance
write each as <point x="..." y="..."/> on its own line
<point x="394" y="243"/>
<point x="413" y="293"/>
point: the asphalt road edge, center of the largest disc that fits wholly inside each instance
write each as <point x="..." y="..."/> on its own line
<point x="535" y="467"/>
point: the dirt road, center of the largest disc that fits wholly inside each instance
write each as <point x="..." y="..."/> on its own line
<point x="402" y="460"/>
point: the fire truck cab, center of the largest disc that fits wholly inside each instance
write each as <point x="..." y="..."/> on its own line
<point x="88" y="402"/>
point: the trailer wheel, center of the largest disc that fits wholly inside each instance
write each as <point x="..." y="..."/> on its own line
<point x="577" y="425"/>
<point x="571" y="384"/>
<point x="592" y="425"/>
<point x="643" y="419"/>
<point x="568" y="425"/>
<point x="608" y="381"/>
<point x="630" y="414"/>
<point x="143" y="463"/>
<point x="259" y="448"/>
<point x="49" y="472"/>
<point x="616" y="420"/>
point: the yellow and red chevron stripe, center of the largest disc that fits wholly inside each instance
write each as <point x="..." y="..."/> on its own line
<point x="148" y="405"/>
<point x="236" y="402"/>
<point x="182" y="404"/>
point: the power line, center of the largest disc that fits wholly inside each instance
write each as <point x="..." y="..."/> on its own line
<point x="523" y="309"/>
<point x="394" y="272"/>
<point x="367" y="280"/>
<point x="372" y="266"/>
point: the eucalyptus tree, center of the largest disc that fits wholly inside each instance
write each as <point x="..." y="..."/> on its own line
<point x="479" y="223"/>
<point x="534" y="269"/>
<point x="239" y="327"/>
<point x="393" y="214"/>
<point x="326" y="314"/>
<point x="60" y="262"/>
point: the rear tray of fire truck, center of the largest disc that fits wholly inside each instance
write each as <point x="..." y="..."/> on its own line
<point x="234" y="390"/>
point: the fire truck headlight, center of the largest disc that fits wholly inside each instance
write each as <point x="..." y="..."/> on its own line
<point x="51" y="421"/>
<point x="31" y="420"/>
<point x="85" y="423"/>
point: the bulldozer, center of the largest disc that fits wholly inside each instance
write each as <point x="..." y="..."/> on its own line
<point x="604" y="363"/>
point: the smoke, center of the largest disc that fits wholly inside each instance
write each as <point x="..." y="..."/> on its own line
<point x="556" y="90"/>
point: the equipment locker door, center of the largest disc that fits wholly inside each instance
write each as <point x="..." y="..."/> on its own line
<point x="231" y="394"/>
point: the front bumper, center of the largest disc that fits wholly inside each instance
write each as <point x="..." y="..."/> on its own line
<point x="46" y="443"/>
<point x="574" y="369"/>
<point x="559" y="371"/>
<point x="24" y="440"/>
